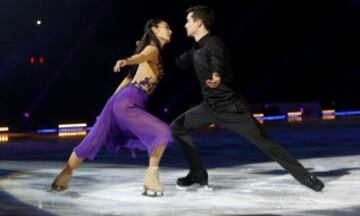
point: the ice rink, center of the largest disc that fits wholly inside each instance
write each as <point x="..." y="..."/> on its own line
<point x="244" y="180"/>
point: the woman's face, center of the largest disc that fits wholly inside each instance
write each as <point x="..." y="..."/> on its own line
<point x="163" y="32"/>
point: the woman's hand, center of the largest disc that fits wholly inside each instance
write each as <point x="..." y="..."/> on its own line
<point x="119" y="64"/>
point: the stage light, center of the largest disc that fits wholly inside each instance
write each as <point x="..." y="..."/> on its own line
<point x="4" y="138"/>
<point x="328" y="114"/>
<point x="272" y="118"/>
<point x="32" y="60"/>
<point x="38" y="22"/>
<point x="27" y="114"/>
<point x="295" y="119"/>
<point x="73" y="133"/>
<point x="166" y="110"/>
<point x="4" y="129"/>
<point x="77" y="129"/>
<point x="41" y="60"/>
<point x="47" y="131"/>
<point x="329" y="117"/>
<point x="348" y="113"/>
<point x="76" y="125"/>
<point x="294" y="116"/>
<point x="259" y="117"/>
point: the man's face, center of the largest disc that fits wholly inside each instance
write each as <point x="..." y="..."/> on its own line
<point x="191" y="26"/>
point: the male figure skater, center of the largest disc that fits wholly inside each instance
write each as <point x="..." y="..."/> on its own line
<point x="221" y="105"/>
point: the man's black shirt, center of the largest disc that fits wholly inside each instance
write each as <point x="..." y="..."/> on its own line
<point x="207" y="56"/>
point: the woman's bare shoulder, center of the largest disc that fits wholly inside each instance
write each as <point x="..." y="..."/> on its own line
<point x="151" y="48"/>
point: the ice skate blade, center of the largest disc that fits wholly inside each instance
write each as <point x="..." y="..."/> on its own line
<point x="57" y="189"/>
<point x="195" y="187"/>
<point x="152" y="194"/>
<point x="205" y="188"/>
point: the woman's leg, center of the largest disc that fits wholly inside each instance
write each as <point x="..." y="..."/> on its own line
<point x="73" y="162"/>
<point x="88" y="148"/>
<point x="156" y="155"/>
<point x="151" y="179"/>
<point x="149" y="130"/>
<point x="62" y="180"/>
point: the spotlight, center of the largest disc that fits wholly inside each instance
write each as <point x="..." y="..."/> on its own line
<point x="4" y="129"/>
<point x="32" y="60"/>
<point x="77" y="129"/>
<point x="259" y="117"/>
<point x="4" y="138"/>
<point x="27" y="115"/>
<point x="275" y="117"/>
<point x="41" y="60"/>
<point x="328" y="114"/>
<point x="73" y="133"/>
<point x="38" y="22"/>
<point x="348" y="113"/>
<point x="76" y="125"/>
<point x="166" y="110"/>
<point x="294" y="116"/>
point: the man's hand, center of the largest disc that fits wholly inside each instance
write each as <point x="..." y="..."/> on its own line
<point x="119" y="64"/>
<point x="215" y="81"/>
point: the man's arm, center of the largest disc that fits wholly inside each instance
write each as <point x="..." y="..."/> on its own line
<point x="185" y="60"/>
<point x="218" y="56"/>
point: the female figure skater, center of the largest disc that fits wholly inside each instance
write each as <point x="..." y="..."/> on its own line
<point x="123" y="122"/>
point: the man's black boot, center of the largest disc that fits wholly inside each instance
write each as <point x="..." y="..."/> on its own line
<point x="193" y="177"/>
<point x="312" y="182"/>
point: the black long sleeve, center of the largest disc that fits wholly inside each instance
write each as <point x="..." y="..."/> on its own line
<point x="207" y="56"/>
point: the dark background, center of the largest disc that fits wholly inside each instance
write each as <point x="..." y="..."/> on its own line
<point x="281" y="51"/>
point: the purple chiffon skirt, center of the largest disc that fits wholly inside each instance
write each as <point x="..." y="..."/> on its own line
<point x="124" y="124"/>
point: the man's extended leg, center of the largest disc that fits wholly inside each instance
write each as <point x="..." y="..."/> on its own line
<point x="246" y="125"/>
<point x="193" y="119"/>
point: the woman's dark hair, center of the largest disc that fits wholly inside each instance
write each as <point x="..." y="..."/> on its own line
<point x="146" y="39"/>
<point x="203" y="13"/>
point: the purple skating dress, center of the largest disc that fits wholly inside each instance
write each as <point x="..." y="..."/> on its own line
<point x="124" y="123"/>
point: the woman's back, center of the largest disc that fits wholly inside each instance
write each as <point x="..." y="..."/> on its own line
<point x="149" y="71"/>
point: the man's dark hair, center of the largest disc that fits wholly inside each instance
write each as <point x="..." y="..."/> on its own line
<point x="203" y="13"/>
